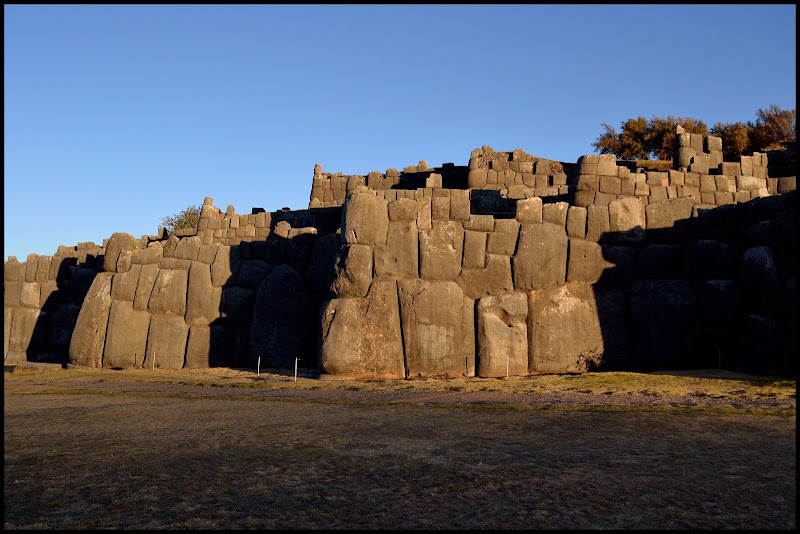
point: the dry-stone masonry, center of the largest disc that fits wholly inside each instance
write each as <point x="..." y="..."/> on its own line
<point x="509" y="265"/>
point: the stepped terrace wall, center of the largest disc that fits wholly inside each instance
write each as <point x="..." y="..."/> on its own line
<point x="523" y="275"/>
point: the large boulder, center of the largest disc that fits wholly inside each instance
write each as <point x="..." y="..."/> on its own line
<point x="540" y="261"/>
<point x="493" y="279"/>
<point x="398" y="258"/>
<point x="88" y="338"/>
<point x="352" y="271"/>
<point x="502" y="335"/>
<point x="126" y="335"/>
<point x="440" y="250"/>
<point x="438" y="328"/>
<point x="117" y="243"/>
<point x="283" y="321"/>
<point x="564" y="330"/>
<point x="361" y="336"/>
<point x="166" y="342"/>
<point x="169" y="292"/>
<point x="202" y="298"/>
<point x="365" y="219"/>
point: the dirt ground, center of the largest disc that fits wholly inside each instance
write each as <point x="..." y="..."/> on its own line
<point x="225" y="449"/>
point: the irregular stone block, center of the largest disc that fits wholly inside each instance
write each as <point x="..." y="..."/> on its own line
<point x="8" y="316"/>
<point x="564" y="332"/>
<point x="399" y="257"/>
<point x="188" y="248"/>
<point x="541" y="257"/>
<point x="668" y="220"/>
<point x="576" y="222"/>
<point x="440" y="250"/>
<point x="175" y="264"/>
<point x="117" y="243"/>
<point x="586" y="261"/>
<point x="607" y="165"/>
<point x="166" y="342"/>
<point x="402" y="209"/>
<point x="502" y="335"/>
<point x="123" y="284"/>
<point x="198" y="347"/>
<point x="374" y="322"/>
<point x="365" y="219"/>
<point x="440" y="208"/>
<point x="88" y="339"/>
<point x="29" y="295"/>
<point x="151" y="254"/>
<point x="597" y="222"/>
<point x="555" y="213"/>
<point x="202" y="298"/>
<point x="610" y="184"/>
<point x="126" y="335"/>
<point x="144" y="286"/>
<point x="493" y="279"/>
<point x="659" y="260"/>
<point x="352" y="271"/>
<point x="225" y="268"/>
<point x="43" y="269"/>
<point x="438" y="328"/>
<point x="760" y="281"/>
<point x="283" y="321"/>
<point x="424" y="213"/>
<point x="459" y="205"/>
<point x="626" y="220"/>
<point x="529" y="210"/>
<point x="503" y="240"/>
<point x="477" y="178"/>
<point x="480" y="223"/>
<point x="474" y="250"/>
<point x="169" y="293"/>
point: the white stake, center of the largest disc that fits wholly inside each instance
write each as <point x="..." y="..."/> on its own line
<point x="295" y="369"/>
<point x="258" y="369"/>
<point x="154" y="361"/>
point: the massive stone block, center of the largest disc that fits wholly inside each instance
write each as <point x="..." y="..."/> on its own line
<point x="283" y="321"/>
<point x="440" y="250"/>
<point x="352" y="271"/>
<point x="123" y="284"/>
<point x="664" y="324"/>
<point x="361" y="336"/>
<point x="8" y="315"/>
<point x="586" y="261"/>
<point x="202" y="298"/>
<point x="438" y="328"/>
<point x="117" y="243"/>
<point x="198" y="347"/>
<point x="502" y="335"/>
<point x="144" y="286"/>
<point x="626" y="220"/>
<point x="541" y="258"/>
<point x="169" y="292"/>
<point x="166" y="342"/>
<point x="564" y="330"/>
<point x="126" y="337"/>
<point x="493" y="279"/>
<point x="398" y="258"/>
<point x="226" y="266"/>
<point x="365" y="219"/>
<point x="668" y="220"/>
<point x="88" y="338"/>
<point x="236" y="306"/>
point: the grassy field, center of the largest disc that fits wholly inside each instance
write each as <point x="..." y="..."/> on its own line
<point x="176" y="449"/>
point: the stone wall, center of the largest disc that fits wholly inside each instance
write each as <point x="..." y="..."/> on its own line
<point x="512" y="264"/>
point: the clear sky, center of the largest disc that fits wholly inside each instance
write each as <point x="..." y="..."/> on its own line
<point x="116" y="116"/>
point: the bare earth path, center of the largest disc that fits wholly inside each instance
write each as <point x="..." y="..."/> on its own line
<point x="222" y="450"/>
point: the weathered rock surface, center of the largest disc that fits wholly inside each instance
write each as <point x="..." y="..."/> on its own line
<point x="502" y="335"/>
<point x="541" y="258"/>
<point x="564" y="332"/>
<point x="166" y="342"/>
<point x="361" y="336"/>
<point x="440" y="250"/>
<point x="126" y="337"/>
<point x="88" y="339"/>
<point x="438" y="328"/>
<point x="352" y="271"/>
<point x="365" y="219"/>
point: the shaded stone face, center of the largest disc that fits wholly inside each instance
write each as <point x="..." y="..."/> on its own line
<point x="126" y="337"/>
<point x="541" y="258"/>
<point x="88" y="338"/>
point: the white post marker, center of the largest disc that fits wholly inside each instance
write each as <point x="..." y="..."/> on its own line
<point x="258" y="368"/>
<point x="507" y="365"/>
<point x="295" y="369"/>
<point x="154" y="361"/>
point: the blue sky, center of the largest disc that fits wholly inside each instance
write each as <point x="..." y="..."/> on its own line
<point x="116" y="116"/>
